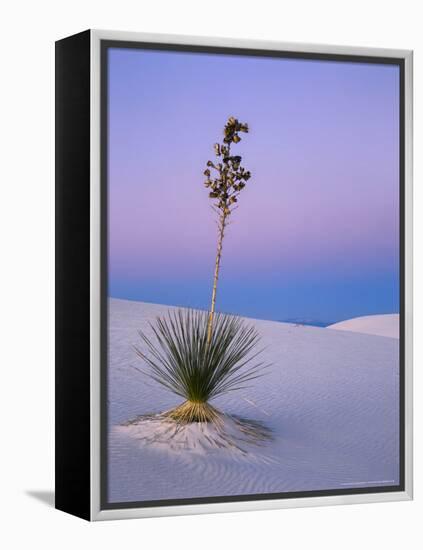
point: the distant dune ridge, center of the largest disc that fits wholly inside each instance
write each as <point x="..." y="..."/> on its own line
<point x="379" y="325"/>
<point x="330" y="399"/>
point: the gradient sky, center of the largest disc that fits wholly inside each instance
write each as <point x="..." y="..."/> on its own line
<point x="316" y="234"/>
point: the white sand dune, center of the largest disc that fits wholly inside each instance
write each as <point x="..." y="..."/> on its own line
<point x="380" y="325"/>
<point x="330" y="399"/>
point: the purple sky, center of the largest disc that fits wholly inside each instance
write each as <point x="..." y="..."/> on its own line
<point x="316" y="232"/>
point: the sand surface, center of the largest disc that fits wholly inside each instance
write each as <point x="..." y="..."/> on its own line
<point x="330" y="400"/>
<point x="379" y="325"/>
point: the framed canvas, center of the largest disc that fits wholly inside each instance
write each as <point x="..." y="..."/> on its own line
<point x="233" y="275"/>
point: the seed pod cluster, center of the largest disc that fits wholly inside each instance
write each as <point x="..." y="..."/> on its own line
<point x="226" y="178"/>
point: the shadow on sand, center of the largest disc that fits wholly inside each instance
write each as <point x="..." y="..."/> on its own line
<point x="228" y="432"/>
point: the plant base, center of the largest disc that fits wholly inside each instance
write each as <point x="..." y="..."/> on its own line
<point x="191" y="411"/>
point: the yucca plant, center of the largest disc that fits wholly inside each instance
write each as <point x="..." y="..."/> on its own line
<point x="200" y="355"/>
<point x="183" y="360"/>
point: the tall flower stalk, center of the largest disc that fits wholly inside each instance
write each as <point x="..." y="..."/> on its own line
<point x="226" y="178"/>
